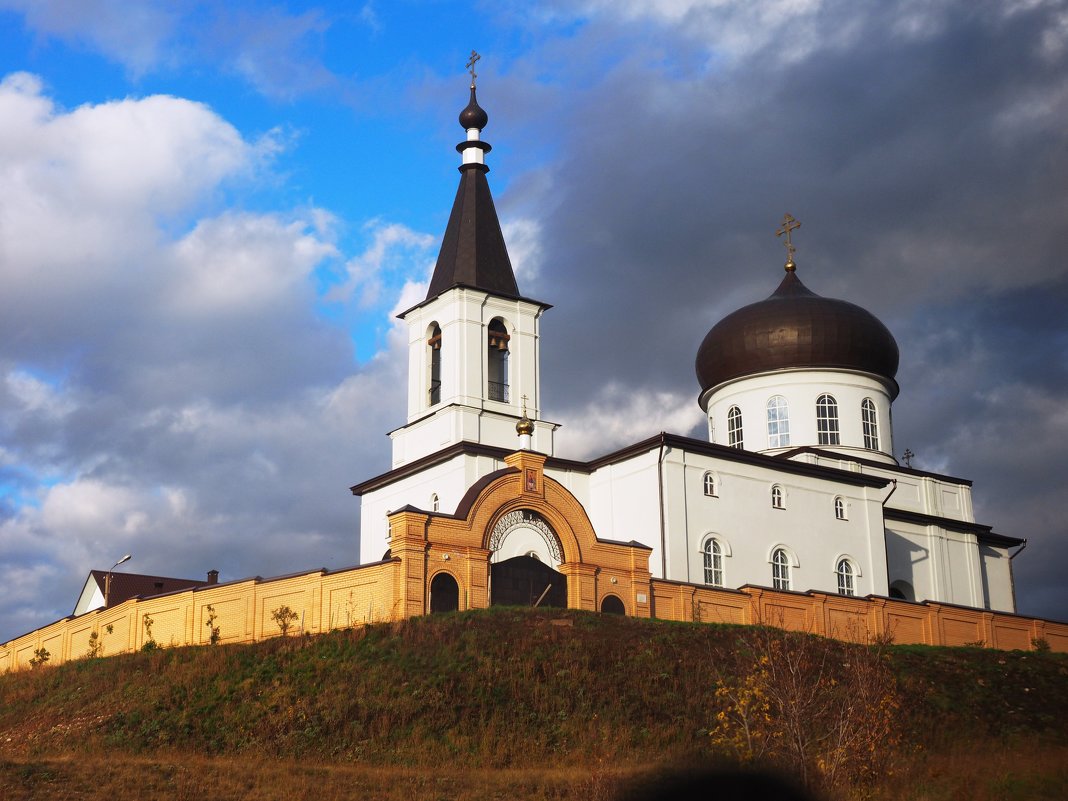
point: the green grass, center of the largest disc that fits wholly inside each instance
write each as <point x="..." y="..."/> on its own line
<point x="494" y="689"/>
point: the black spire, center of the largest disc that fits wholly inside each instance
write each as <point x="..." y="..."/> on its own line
<point x="473" y="252"/>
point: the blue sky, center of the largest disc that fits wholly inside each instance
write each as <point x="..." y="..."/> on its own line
<point x="209" y="213"/>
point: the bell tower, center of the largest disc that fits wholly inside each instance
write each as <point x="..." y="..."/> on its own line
<point x="474" y="342"/>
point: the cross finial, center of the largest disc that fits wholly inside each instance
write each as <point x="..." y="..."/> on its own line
<point x="789" y="224"/>
<point x="908" y="456"/>
<point x="475" y="57"/>
<point x="524" y="405"/>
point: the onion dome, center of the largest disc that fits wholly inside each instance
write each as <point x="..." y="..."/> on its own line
<point x="796" y="329"/>
<point x="474" y="116"/>
<point x="525" y="426"/>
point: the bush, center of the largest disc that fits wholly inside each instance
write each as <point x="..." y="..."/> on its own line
<point x="823" y="711"/>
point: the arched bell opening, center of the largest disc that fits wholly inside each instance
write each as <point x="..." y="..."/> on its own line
<point x="497" y="360"/>
<point x="444" y="594"/>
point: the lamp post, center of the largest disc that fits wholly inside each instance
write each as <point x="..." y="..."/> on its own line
<point x="107" y="580"/>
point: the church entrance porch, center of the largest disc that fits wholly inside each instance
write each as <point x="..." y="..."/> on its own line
<point x="526" y="581"/>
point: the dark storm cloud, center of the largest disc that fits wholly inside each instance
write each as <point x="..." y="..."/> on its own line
<point x="928" y="167"/>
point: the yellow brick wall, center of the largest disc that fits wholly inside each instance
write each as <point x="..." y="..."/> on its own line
<point x="425" y="544"/>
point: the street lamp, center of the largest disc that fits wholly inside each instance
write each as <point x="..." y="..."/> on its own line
<point x="107" y="580"/>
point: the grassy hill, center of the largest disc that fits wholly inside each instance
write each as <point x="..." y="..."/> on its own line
<point x="516" y="703"/>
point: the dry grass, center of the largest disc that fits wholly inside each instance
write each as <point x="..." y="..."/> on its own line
<point x="993" y="773"/>
<point x="123" y="778"/>
<point x="1018" y="771"/>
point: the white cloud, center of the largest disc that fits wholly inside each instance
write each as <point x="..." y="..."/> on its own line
<point x="273" y="50"/>
<point x="392" y="249"/>
<point x="132" y="33"/>
<point x="202" y="411"/>
<point x="523" y="236"/>
<point x="619" y="415"/>
<point x="30" y="394"/>
<point x="238" y="261"/>
<point x="84" y="189"/>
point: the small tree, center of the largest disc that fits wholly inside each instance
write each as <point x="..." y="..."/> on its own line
<point x="150" y="642"/>
<point x="284" y="617"/>
<point x="95" y="646"/>
<point x="216" y="633"/>
<point x="40" y="657"/>
<point x="823" y="711"/>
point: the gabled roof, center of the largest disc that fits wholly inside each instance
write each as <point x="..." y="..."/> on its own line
<point x="125" y="586"/>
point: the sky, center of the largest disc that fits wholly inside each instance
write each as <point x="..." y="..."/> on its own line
<point x="211" y="212"/>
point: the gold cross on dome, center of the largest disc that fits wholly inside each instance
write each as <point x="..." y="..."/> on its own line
<point x="475" y="57"/>
<point x="789" y="224"/>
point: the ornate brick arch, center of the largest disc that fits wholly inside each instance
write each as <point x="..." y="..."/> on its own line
<point x="594" y="567"/>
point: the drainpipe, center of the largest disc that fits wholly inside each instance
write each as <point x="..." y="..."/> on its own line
<point x="1012" y="575"/>
<point x="893" y="489"/>
<point x="660" y="489"/>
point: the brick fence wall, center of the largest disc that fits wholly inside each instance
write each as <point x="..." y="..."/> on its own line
<point x="324" y="600"/>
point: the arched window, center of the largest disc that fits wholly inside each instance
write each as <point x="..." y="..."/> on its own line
<point x="434" y="344"/>
<point x="497" y="351"/>
<point x="713" y="557"/>
<point x="846" y="582"/>
<point x="778" y="422"/>
<point x="870" y="418"/>
<point x="778" y="499"/>
<point x="827" y="420"/>
<point x="839" y="509"/>
<point x="710" y="485"/>
<point x="435" y="504"/>
<point x="780" y="570"/>
<point x="734" y="427"/>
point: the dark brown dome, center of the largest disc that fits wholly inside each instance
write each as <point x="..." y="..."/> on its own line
<point x="474" y="116"/>
<point x="796" y="328"/>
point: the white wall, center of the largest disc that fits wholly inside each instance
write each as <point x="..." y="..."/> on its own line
<point x="801" y="388"/>
<point x="463" y="316"/>
<point x="449" y="480"/>
<point x="742" y="517"/>
<point x="996" y="568"/>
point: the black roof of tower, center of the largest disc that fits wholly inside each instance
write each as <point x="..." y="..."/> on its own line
<point x="473" y="252"/>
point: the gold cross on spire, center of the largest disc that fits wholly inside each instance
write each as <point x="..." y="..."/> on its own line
<point x="475" y="57"/>
<point x="789" y="224"/>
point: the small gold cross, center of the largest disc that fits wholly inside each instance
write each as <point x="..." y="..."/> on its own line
<point x="475" y="57"/>
<point x="789" y="224"/>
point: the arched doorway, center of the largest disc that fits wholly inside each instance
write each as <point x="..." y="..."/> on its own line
<point x="611" y="605"/>
<point x="444" y="594"/>
<point x="525" y="553"/>
<point x="526" y="581"/>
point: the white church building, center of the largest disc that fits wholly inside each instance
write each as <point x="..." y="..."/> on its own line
<point x="796" y="488"/>
<point x="792" y="512"/>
